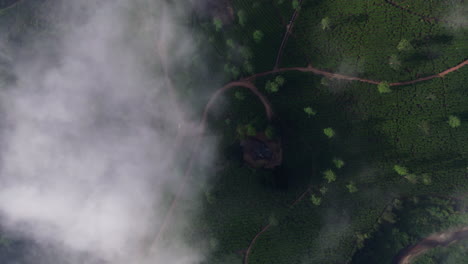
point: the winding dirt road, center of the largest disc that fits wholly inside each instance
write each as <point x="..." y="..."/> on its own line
<point x="443" y="239"/>
<point x="332" y="75"/>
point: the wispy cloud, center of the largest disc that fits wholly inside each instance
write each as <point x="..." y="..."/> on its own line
<point x="88" y="134"/>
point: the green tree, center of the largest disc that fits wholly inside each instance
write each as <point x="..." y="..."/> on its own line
<point x="454" y="121"/>
<point x="257" y="36"/>
<point x="250" y="130"/>
<point x="394" y="62"/>
<point x="351" y="187"/>
<point x="323" y="190"/>
<point x="384" y="87"/>
<point x="325" y="23"/>
<point x="295" y="4"/>
<point x="426" y="179"/>
<point x="316" y="200"/>
<point x="325" y="81"/>
<point x="280" y="80"/>
<point x="339" y="163"/>
<point x="230" y="43"/>
<point x="270" y="132"/>
<point x="242" y="17"/>
<point x="329" y="132"/>
<point x="309" y="111"/>
<point x="411" y="178"/>
<point x="248" y="67"/>
<point x="217" y="23"/>
<point x="329" y="175"/>
<point x="227" y="121"/>
<point x="271" y="87"/>
<point x="246" y="53"/>
<point x="404" y="45"/>
<point x="400" y="170"/>
<point x="239" y="95"/>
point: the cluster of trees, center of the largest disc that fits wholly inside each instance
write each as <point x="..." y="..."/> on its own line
<point x="412" y="178"/>
<point x="273" y="86"/>
<point x="330" y="176"/>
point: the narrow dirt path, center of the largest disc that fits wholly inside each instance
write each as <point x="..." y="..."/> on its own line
<point x="289" y="28"/>
<point x="443" y="239"/>
<point x="331" y="75"/>
<point x="247" y="252"/>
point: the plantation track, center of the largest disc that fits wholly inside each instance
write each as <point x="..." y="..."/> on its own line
<point x="247" y="252"/>
<point x="289" y="28"/>
<point x="443" y="239"/>
<point x="425" y="18"/>
<point x="331" y="75"/>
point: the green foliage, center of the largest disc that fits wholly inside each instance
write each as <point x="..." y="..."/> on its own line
<point x="227" y="121"/>
<point x="411" y="178"/>
<point x="230" y="43"/>
<point x="329" y="132"/>
<point x="295" y="4"/>
<point x="239" y="95"/>
<point x="360" y="238"/>
<point x="270" y="132"/>
<point x="271" y="87"/>
<point x="351" y="187"/>
<point x="309" y="111"/>
<point x="246" y="53"/>
<point x="384" y="87"/>
<point x="329" y="175"/>
<point x="280" y="80"/>
<point x="232" y="71"/>
<point x="325" y="23"/>
<point x="242" y="17"/>
<point x="250" y="130"/>
<point x="394" y="62"/>
<point x="339" y="163"/>
<point x="241" y="131"/>
<point x="325" y="81"/>
<point x="257" y="36"/>
<point x="218" y="24"/>
<point x="404" y="45"/>
<point x="316" y="200"/>
<point x="323" y="190"/>
<point x="248" y="67"/>
<point x="273" y="221"/>
<point x="454" y="121"/>
<point x="400" y="170"/>
<point x="388" y="216"/>
<point x="426" y="179"/>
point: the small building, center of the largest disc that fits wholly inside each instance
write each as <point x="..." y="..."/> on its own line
<point x="261" y="152"/>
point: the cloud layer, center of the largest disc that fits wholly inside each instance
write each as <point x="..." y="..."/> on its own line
<point x="89" y="133"/>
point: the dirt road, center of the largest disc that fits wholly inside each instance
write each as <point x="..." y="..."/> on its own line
<point x="443" y="239"/>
